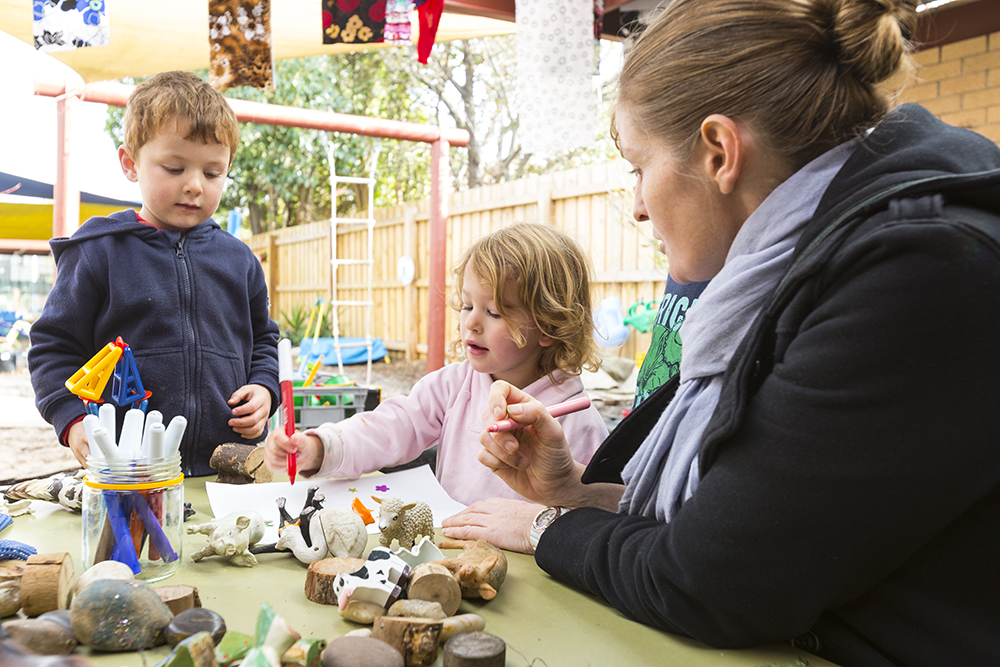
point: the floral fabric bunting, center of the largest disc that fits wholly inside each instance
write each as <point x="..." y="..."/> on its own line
<point x="239" y="32"/>
<point x="353" y="21"/>
<point x="64" y="25"/>
<point x="397" y="22"/>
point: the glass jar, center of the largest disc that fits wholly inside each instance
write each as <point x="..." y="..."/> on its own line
<point x="133" y="512"/>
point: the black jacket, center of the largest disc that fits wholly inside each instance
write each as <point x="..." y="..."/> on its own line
<point x="850" y="476"/>
<point x="192" y="307"/>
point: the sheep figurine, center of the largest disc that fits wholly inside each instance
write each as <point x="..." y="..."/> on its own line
<point x="405" y="523"/>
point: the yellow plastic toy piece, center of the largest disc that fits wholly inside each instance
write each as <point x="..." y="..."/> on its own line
<point x="89" y="381"/>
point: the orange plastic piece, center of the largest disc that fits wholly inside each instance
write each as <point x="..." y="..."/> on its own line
<point x="362" y="511"/>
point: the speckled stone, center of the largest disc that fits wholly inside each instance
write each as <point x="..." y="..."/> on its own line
<point x="360" y="652"/>
<point x="115" y="615"/>
<point x="40" y="636"/>
<point x="192" y="621"/>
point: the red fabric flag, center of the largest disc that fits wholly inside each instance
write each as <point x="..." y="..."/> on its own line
<point x="429" y="15"/>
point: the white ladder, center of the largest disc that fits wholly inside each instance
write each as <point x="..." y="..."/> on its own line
<point x="368" y="304"/>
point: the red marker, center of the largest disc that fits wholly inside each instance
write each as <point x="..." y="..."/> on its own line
<point x="287" y="404"/>
<point x="557" y="410"/>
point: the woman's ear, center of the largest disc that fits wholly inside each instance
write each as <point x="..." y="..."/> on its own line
<point x="722" y="151"/>
<point x="128" y="164"/>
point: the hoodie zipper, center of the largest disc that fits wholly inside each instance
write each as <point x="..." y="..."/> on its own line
<point x="189" y="337"/>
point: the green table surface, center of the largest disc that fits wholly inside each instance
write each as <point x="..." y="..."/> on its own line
<point x="543" y="622"/>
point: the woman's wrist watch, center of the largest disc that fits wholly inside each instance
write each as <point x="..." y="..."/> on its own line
<point x="542" y="521"/>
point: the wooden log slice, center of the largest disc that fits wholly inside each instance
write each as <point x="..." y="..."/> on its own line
<point x="475" y="649"/>
<point x="47" y="583"/>
<point x="415" y="638"/>
<point x="179" y="598"/>
<point x="322" y="574"/>
<point x="434" y="583"/>
<point x="240" y="464"/>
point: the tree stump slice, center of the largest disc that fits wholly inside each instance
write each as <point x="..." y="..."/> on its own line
<point x="475" y="649"/>
<point x="415" y="638"/>
<point x="434" y="583"/>
<point x="322" y="574"/>
<point x="240" y="464"/>
<point x="179" y="598"/>
<point x="47" y="583"/>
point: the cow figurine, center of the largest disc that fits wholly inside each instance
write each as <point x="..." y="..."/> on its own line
<point x="380" y="581"/>
<point x="405" y="523"/>
<point x="231" y="536"/>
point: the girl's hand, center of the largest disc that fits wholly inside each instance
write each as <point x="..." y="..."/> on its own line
<point x="503" y="522"/>
<point x="534" y="460"/>
<point x="307" y="448"/>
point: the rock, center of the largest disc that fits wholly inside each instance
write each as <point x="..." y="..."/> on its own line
<point x="114" y="615"/>
<point x="198" y="650"/>
<point x="360" y="652"/>
<point x="60" y="616"/>
<point x="362" y="612"/>
<point x="40" y="636"/>
<point x="475" y="649"/>
<point x="13" y="654"/>
<point x="192" y="621"/>
<point x="234" y="646"/>
<point x="417" y="608"/>
<point x="108" y="569"/>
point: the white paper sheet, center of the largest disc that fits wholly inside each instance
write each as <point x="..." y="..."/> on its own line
<point x="408" y="485"/>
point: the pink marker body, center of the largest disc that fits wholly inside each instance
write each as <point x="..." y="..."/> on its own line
<point x="557" y="410"/>
<point x="287" y="400"/>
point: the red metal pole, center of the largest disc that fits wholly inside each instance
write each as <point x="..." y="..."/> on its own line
<point x="438" y="245"/>
<point x="116" y="94"/>
<point x="65" y="191"/>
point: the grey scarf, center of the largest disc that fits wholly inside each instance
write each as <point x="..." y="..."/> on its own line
<point x="663" y="473"/>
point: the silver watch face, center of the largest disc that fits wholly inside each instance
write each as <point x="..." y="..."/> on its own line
<point x="547" y="516"/>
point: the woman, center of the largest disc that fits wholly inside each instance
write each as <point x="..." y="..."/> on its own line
<point x="827" y="469"/>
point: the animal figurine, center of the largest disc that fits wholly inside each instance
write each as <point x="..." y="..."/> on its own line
<point x="332" y="530"/>
<point x="378" y="581"/>
<point x="479" y="569"/>
<point x="404" y="523"/>
<point x="231" y="536"/>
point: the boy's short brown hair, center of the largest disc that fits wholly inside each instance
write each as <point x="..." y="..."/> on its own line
<point x="184" y="97"/>
<point x="550" y="273"/>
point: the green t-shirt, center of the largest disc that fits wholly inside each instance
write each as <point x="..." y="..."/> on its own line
<point x="663" y="359"/>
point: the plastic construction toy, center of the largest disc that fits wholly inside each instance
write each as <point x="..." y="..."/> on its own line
<point x="115" y="359"/>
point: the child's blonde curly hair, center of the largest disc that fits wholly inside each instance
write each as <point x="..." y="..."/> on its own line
<point x="551" y="274"/>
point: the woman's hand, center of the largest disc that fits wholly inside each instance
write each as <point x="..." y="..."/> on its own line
<point x="503" y="522"/>
<point x="534" y="460"/>
<point x="308" y="450"/>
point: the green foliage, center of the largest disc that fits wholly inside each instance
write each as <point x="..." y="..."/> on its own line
<point x="295" y="322"/>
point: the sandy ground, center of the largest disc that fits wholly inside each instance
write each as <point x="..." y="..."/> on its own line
<point x="29" y="448"/>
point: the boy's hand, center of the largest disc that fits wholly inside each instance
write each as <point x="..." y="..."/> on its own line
<point x="253" y="406"/>
<point x="307" y="448"/>
<point x="77" y="439"/>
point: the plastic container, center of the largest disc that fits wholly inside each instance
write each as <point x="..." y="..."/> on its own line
<point x="133" y="512"/>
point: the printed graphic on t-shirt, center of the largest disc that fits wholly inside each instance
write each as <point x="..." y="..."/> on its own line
<point x="663" y="359"/>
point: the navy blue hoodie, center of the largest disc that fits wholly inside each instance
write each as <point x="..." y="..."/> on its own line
<point x="192" y="307"/>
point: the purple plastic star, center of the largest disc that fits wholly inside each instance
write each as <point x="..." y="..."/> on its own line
<point x="382" y="487"/>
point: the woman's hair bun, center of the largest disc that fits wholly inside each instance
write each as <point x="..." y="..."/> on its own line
<point x="872" y="36"/>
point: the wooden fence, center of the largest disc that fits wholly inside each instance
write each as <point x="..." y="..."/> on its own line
<point x="592" y="204"/>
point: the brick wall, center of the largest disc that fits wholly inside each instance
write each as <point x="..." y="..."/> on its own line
<point x="960" y="83"/>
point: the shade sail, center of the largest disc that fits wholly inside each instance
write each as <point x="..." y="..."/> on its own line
<point x="149" y="37"/>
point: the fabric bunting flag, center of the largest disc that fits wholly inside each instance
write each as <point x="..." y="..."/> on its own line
<point x="239" y="32"/>
<point x="555" y="64"/>
<point x="64" y="25"/>
<point x="429" y="13"/>
<point x="397" y="22"/>
<point x="353" y="21"/>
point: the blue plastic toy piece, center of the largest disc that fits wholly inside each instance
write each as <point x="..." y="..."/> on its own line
<point x="127" y="386"/>
<point x="14" y="550"/>
<point x="5" y="521"/>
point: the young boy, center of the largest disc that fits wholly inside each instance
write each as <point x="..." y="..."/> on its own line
<point x="188" y="298"/>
